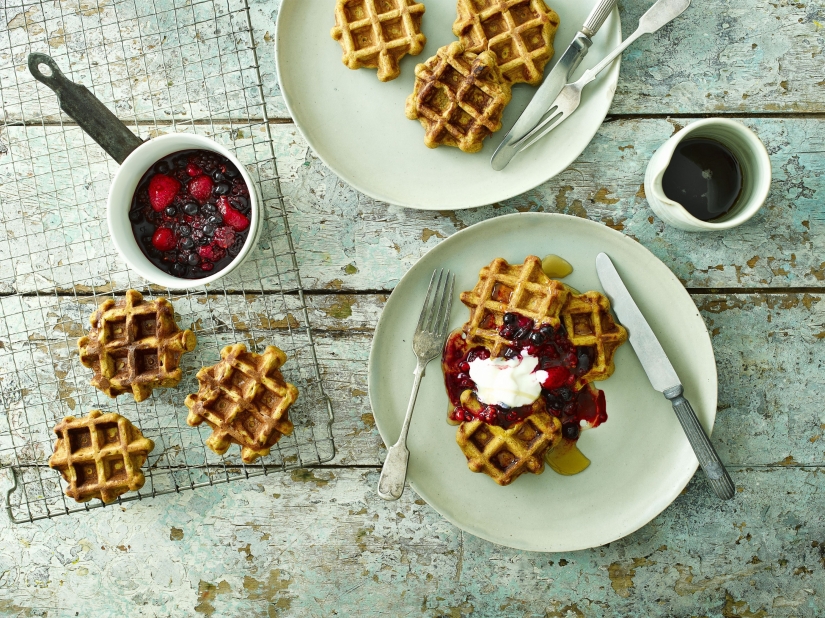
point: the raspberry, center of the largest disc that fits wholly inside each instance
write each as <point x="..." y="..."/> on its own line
<point x="211" y="252"/>
<point x="224" y="237"/>
<point x="232" y="217"/>
<point x="164" y="239"/>
<point x="162" y="191"/>
<point x="200" y="188"/>
<point x="193" y="170"/>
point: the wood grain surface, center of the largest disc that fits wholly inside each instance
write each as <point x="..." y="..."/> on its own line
<point x="318" y="541"/>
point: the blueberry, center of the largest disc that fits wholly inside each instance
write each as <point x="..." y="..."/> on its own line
<point x="203" y="240"/>
<point x="570" y="431"/>
<point x="162" y="167"/>
<point x="217" y="176"/>
<point x="536" y="338"/>
<point x="240" y="203"/>
<point x="187" y="243"/>
<point x="170" y="211"/>
<point x="134" y="216"/>
<point x="178" y="269"/>
<point x="190" y="208"/>
<point x="510" y="353"/>
<point x="564" y="393"/>
<point x="546" y="330"/>
<point x="220" y="188"/>
<point x="181" y="162"/>
<point x="193" y="259"/>
<point x="184" y="230"/>
<point x="216" y="219"/>
<point x="209" y="209"/>
<point x="209" y="229"/>
<point x="521" y="333"/>
<point x="510" y="318"/>
<point x="231" y="173"/>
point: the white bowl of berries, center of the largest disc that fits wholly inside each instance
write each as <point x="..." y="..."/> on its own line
<point x="183" y="211"/>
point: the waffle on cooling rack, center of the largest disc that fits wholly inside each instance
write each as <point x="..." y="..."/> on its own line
<point x="378" y="33"/>
<point x="245" y="400"/>
<point x="134" y="346"/>
<point x="99" y="456"/>
<point x="589" y="323"/>
<point x="504" y="454"/>
<point x="459" y="98"/>
<point x="510" y="288"/>
<point x="519" y="32"/>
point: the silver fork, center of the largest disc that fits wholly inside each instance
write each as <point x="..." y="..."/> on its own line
<point x="428" y="341"/>
<point x="661" y="13"/>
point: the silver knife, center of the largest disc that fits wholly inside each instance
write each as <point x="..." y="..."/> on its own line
<point x="552" y="85"/>
<point x="662" y="375"/>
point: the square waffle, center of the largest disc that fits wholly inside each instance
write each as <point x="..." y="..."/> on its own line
<point x="505" y="454"/>
<point x="134" y="346"/>
<point x="378" y="33"/>
<point x="589" y="323"/>
<point x="519" y="32"/>
<point x="99" y="456"/>
<point x="245" y="400"/>
<point x="504" y="288"/>
<point x="459" y="98"/>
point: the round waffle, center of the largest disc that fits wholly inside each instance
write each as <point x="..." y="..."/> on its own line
<point x="505" y="454"/>
<point x="589" y="323"/>
<point x="376" y="34"/>
<point x="134" y="346"/>
<point x="505" y="288"/>
<point x="99" y="456"/>
<point x="519" y="32"/>
<point x="459" y="98"/>
<point x="245" y="400"/>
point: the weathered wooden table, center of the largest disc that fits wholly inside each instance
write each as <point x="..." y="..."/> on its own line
<point x="319" y="541"/>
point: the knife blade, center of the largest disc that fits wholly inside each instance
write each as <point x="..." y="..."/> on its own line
<point x="553" y="83"/>
<point x="662" y="375"/>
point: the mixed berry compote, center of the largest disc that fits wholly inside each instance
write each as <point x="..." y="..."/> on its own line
<point x="190" y="213"/>
<point x="562" y="361"/>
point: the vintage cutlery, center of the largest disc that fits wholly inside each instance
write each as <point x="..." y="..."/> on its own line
<point x="662" y="375"/>
<point x="661" y="13"/>
<point x="552" y="85"/>
<point x="428" y="341"/>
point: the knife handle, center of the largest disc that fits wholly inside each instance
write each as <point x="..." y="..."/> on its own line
<point x="597" y="17"/>
<point x="714" y="469"/>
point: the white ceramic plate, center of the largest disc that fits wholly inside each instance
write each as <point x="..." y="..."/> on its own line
<point x="357" y="126"/>
<point x="641" y="459"/>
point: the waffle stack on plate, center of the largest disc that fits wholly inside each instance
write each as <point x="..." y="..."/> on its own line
<point x="461" y="92"/>
<point x="505" y="452"/>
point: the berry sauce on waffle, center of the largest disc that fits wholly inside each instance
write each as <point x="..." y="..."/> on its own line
<point x="190" y="213"/>
<point x="563" y="362"/>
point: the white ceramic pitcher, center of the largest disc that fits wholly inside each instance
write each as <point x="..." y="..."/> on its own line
<point x="753" y="160"/>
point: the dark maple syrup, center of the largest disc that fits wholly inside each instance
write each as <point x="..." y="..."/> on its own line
<point x="704" y="177"/>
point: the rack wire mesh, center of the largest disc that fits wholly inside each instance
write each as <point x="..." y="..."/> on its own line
<point x="162" y="66"/>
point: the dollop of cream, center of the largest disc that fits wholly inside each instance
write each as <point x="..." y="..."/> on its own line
<point x="513" y="382"/>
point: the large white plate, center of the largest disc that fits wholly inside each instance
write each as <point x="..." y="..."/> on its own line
<point x="641" y="459"/>
<point x="357" y="126"/>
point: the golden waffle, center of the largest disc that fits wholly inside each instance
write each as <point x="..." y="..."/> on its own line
<point x="134" y="346"/>
<point x="378" y="33"/>
<point x="459" y="98"/>
<point x="519" y="32"/>
<point x="589" y="323"/>
<point x="505" y="454"/>
<point x="245" y="400"/>
<point x="100" y="456"/>
<point x="504" y="288"/>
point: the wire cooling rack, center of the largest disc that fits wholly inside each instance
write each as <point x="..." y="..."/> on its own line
<point x="161" y="66"/>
